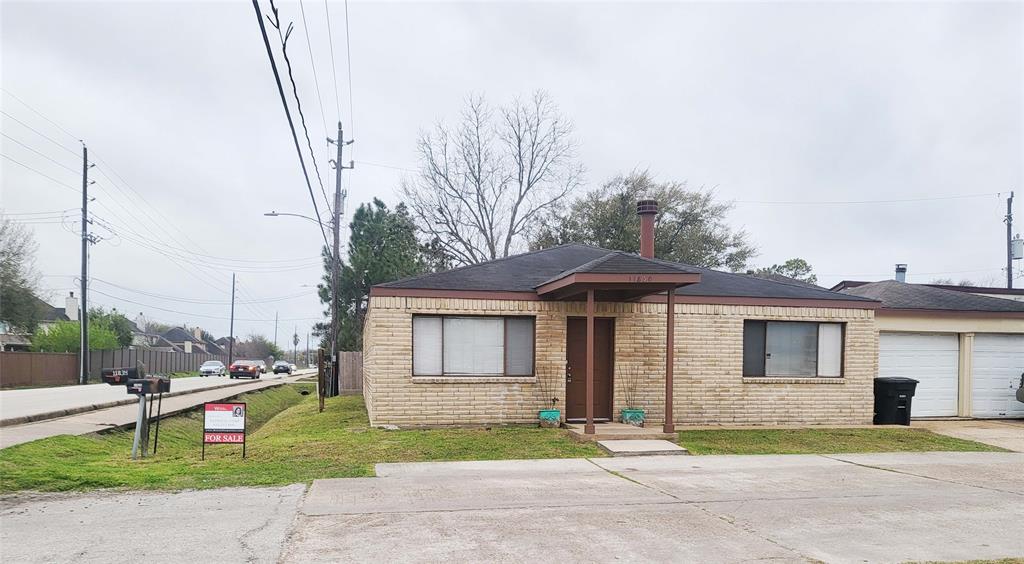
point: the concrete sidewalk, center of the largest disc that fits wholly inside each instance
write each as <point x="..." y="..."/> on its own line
<point x="36" y="404"/>
<point x="125" y="415"/>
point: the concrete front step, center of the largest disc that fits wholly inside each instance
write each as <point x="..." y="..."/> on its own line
<point x="641" y="447"/>
<point x="618" y="431"/>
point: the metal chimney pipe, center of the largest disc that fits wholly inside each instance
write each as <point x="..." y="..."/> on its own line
<point x="901" y="273"/>
<point x="647" y="210"/>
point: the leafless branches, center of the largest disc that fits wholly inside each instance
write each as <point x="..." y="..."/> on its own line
<point x="484" y="183"/>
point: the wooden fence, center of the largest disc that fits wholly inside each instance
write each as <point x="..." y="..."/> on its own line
<point x="157" y="362"/>
<point x="351" y="372"/>
<point x="19" y="369"/>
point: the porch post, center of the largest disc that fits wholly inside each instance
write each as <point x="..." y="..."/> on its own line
<point x="589" y="427"/>
<point x="670" y="341"/>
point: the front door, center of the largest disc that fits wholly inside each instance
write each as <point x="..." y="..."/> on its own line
<point x="576" y="368"/>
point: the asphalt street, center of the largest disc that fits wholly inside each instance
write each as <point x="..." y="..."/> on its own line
<point x="837" y="508"/>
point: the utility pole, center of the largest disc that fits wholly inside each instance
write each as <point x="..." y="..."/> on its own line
<point x="295" y="346"/>
<point x="275" y="328"/>
<point x="231" y="331"/>
<point x="83" y="318"/>
<point x="1010" y="239"/>
<point x="307" y="349"/>
<point x="339" y="203"/>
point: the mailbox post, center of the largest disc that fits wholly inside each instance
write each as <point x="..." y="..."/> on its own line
<point x="137" y="383"/>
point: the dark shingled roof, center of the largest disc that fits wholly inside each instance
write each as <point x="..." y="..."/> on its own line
<point x="900" y="295"/>
<point x="523" y="273"/>
<point x="179" y="335"/>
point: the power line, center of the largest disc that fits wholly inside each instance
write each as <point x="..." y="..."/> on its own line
<point x="198" y="301"/>
<point x="312" y="63"/>
<point x="276" y="22"/>
<point x="192" y="314"/>
<point x="43" y="174"/>
<point x="40" y="114"/>
<point x="845" y="202"/>
<point x="288" y="115"/>
<point x="380" y="165"/>
<point x="39" y="133"/>
<point x="41" y="154"/>
<point x="348" y="56"/>
<point x="334" y="64"/>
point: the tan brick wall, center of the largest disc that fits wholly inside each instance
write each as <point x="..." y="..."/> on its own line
<point x="709" y="386"/>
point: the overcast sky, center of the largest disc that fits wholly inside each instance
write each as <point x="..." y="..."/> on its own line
<point x="765" y="102"/>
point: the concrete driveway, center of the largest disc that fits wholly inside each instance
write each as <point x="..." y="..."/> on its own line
<point x="1003" y="433"/>
<point x="851" y="508"/>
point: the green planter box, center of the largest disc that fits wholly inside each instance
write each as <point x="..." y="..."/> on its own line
<point x="550" y="417"/>
<point x="633" y="417"/>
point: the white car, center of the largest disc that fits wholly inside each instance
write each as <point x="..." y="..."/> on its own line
<point x="212" y="368"/>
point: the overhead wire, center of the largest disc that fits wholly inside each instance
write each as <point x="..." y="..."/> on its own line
<point x="855" y="202"/>
<point x="39" y="133"/>
<point x="40" y="114"/>
<point x="288" y="115"/>
<point x="41" y="173"/>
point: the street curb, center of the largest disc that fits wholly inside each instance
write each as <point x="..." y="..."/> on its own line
<point x="86" y="408"/>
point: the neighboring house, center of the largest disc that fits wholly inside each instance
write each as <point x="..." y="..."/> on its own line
<point x="481" y="343"/>
<point x="966" y="350"/>
<point x="49" y="315"/>
<point x="13" y="340"/>
<point x="190" y="342"/>
<point x="1016" y="294"/>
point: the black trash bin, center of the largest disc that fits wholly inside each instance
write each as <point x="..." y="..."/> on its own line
<point x="893" y="396"/>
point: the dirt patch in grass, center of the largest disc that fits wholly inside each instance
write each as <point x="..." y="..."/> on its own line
<point x="823" y="441"/>
<point x="289" y="442"/>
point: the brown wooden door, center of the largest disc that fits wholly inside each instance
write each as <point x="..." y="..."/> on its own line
<point x="576" y="377"/>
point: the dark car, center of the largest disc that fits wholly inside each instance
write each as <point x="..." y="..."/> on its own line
<point x="245" y="369"/>
<point x="282" y="366"/>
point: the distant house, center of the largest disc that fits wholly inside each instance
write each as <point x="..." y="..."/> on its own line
<point x="12" y="340"/>
<point x="188" y="341"/>
<point x="16" y="339"/>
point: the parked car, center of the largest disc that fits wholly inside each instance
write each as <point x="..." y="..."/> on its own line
<point x="293" y="367"/>
<point x="212" y="368"/>
<point x="282" y="366"/>
<point x="245" y="369"/>
<point x="263" y="366"/>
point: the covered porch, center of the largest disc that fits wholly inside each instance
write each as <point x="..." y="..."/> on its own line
<point x="616" y="277"/>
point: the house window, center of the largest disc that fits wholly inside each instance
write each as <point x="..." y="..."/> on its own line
<point x="791" y="348"/>
<point x="472" y="346"/>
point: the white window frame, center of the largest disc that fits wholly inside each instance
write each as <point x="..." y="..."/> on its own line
<point x="504" y="360"/>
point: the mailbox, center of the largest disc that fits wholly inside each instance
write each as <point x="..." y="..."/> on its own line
<point x="120" y="376"/>
<point x="149" y="385"/>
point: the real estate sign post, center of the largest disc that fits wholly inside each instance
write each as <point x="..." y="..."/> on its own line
<point x="223" y="423"/>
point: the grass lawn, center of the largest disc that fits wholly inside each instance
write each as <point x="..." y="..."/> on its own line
<point x="288" y="442"/>
<point x="823" y="441"/>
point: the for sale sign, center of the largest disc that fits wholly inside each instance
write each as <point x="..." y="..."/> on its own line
<point x="224" y="423"/>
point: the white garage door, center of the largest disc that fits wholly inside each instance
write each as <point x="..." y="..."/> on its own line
<point x="998" y="364"/>
<point x="930" y="358"/>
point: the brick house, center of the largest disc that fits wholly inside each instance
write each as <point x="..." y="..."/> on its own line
<point x="485" y="343"/>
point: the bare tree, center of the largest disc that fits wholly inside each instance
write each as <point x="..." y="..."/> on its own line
<point x="483" y="184"/>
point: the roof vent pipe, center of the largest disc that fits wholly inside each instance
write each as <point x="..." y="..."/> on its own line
<point x="647" y="210"/>
<point x="901" y="273"/>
